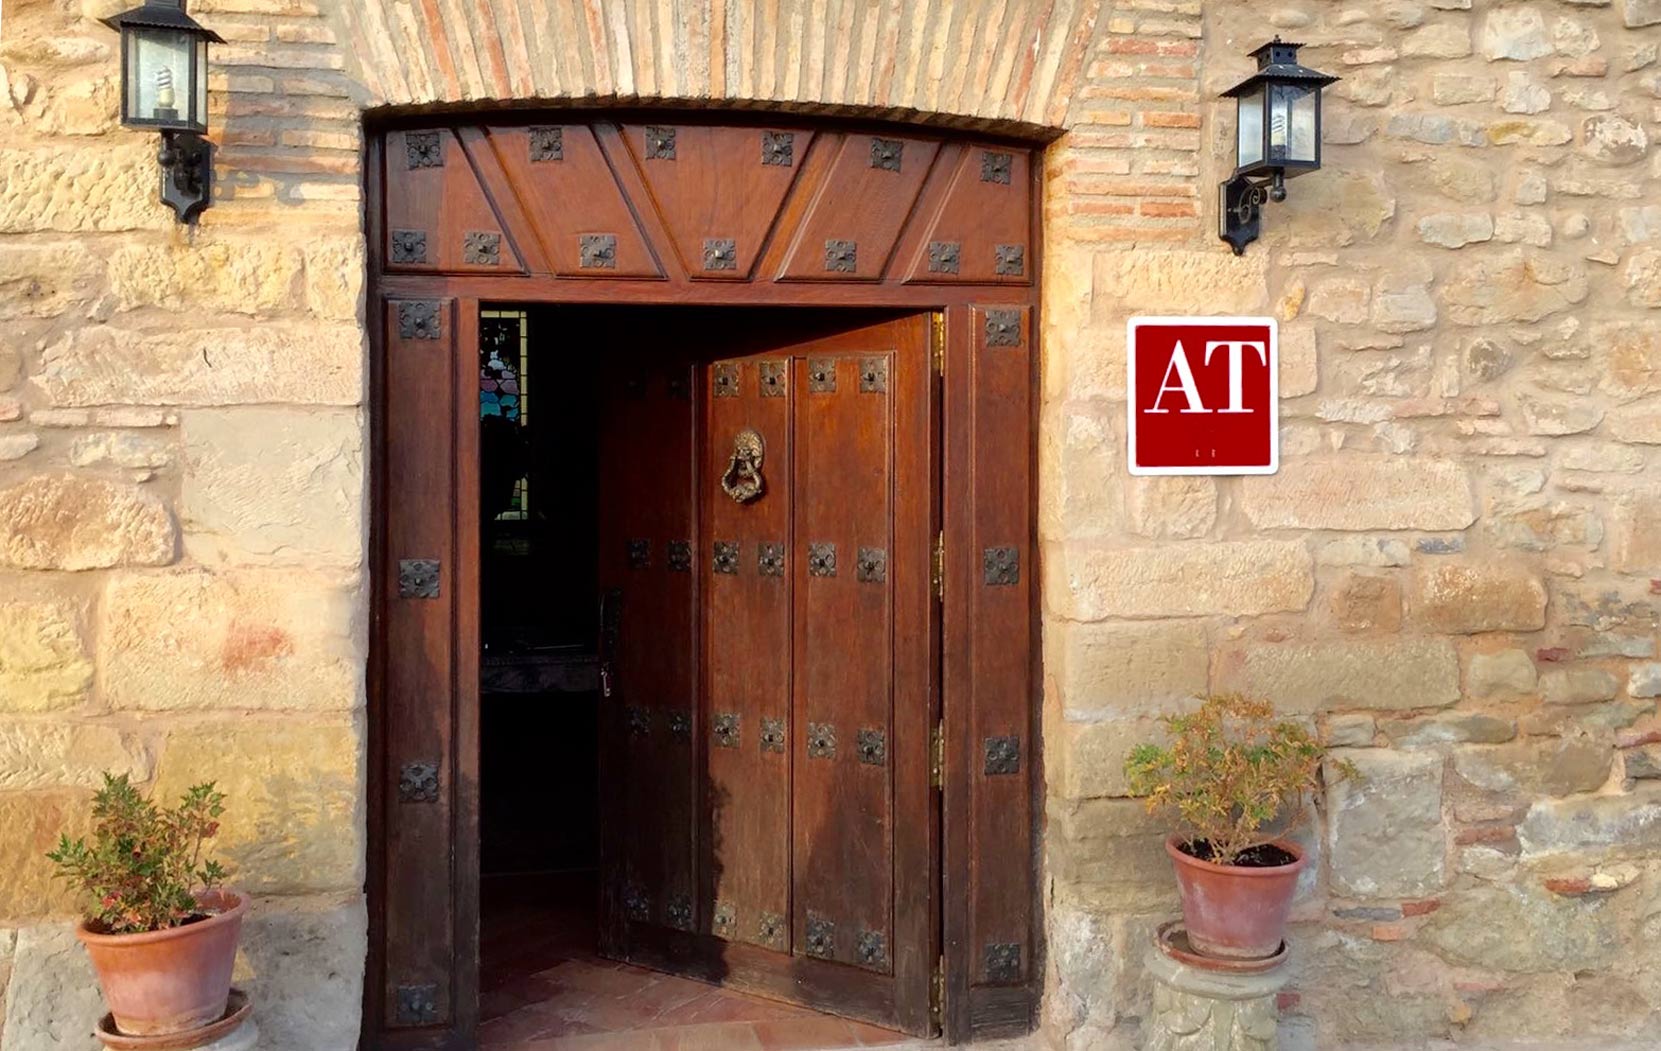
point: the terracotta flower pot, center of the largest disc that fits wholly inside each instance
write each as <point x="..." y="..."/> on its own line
<point x="170" y="981"/>
<point x="1233" y="911"/>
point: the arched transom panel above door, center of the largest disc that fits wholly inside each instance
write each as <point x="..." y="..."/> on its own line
<point x="684" y="204"/>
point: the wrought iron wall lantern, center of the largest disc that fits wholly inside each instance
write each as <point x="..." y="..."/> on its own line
<point x="164" y="85"/>
<point x="1278" y="137"/>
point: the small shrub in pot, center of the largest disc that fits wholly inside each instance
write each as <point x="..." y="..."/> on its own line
<point x="1238" y="781"/>
<point x="161" y="931"/>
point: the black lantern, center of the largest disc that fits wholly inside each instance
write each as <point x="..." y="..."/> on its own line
<point x="164" y="85"/>
<point x="1278" y="136"/>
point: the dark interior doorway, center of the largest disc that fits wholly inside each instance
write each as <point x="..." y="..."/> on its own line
<point x="545" y="476"/>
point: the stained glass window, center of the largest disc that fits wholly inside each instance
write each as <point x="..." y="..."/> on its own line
<point x="504" y="387"/>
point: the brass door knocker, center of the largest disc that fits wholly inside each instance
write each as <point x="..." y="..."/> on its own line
<point x="742" y="480"/>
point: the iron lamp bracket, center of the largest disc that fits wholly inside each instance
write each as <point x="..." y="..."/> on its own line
<point x="186" y="160"/>
<point x="1240" y="207"/>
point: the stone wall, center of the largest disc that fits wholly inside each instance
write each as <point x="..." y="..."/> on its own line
<point x="182" y="515"/>
<point x="1453" y="577"/>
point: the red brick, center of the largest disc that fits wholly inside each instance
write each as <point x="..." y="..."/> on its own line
<point x="1420" y="908"/>
<point x="1389" y="932"/>
<point x="1484" y="834"/>
<point x="1569" y="886"/>
<point x="1553" y="653"/>
<point x="1160" y="118"/>
<point x="1170" y="209"/>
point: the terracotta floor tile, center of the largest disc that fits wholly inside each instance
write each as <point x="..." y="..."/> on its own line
<point x="805" y="1034"/>
<point x="728" y="1036"/>
<point x="544" y="987"/>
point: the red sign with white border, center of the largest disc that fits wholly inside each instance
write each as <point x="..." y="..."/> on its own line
<point x="1203" y="395"/>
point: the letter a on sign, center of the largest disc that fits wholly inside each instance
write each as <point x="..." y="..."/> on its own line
<point x="1203" y="395"/>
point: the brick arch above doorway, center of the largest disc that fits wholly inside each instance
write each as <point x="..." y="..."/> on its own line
<point x="979" y="63"/>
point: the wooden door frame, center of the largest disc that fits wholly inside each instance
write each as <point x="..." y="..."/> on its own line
<point x="973" y="1009"/>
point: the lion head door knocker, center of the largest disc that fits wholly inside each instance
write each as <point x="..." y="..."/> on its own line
<point x="742" y="480"/>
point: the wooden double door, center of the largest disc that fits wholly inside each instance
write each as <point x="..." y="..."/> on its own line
<point x="770" y="656"/>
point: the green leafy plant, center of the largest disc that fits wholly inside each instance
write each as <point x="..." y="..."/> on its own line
<point x="1233" y="775"/>
<point x="144" y="862"/>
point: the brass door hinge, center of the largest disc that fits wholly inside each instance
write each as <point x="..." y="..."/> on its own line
<point x="937" y="991"/>
<point x="937" y="571"/>
<point x="937" y="340"/>
<point x="937" y="755"/>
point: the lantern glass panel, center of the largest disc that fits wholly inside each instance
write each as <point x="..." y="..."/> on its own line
<point x="199" y="75"/>
<point x="1250" y="149"/>
<point x="159" y="76"/>
<point x="1292" y="125"/>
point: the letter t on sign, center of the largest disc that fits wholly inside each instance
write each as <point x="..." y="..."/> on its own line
<point x="1203" y="395"/>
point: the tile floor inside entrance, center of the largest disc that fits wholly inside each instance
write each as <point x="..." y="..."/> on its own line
<point x="542" y="987"/>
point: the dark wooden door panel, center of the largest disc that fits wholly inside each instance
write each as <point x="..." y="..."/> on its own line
<point x="421" y="580"/>
<point x="439" y="218"/>
<point x="747" y="671"/>
<point x="648" y="718"/>
<point x="810" y="765"/>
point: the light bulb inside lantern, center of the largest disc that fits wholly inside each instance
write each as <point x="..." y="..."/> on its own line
<point x="164" y="88"/>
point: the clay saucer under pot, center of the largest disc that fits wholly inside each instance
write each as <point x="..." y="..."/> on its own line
<point x="1173" y="941"/>
<point x="236" y="1012"/>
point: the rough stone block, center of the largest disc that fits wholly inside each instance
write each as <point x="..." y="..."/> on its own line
<point x="1363" y="551"/>
<point x="1464" y="598"/>
<point x="1516" y="33"/>
<point x="1089" y="758"/>
<point x="1645" y="681"/>
<point x="1349" y="208"/>
<point x="1638" y="13"/>
<point x="247" y="275"/>
<point x="1365" y="602"/>
<point x="1513" y="286"/>
<point x="1122" y="669"/>
<point x="1172" y="282"/>
<point x="1084" y="954"/>
<point x="1387" y="673"/>
<point x="49" y="755"/>
<point x="1385" y="837"/>
<point x="1448" y="728"/>
<point x="76" y="186"/>
<point x="30" y="824"/>
<point x="1631" y="355"/>
<point x="1175" y="507"/>
<point x="1551" y="766"/>
<point x="71" y="522"/>
<point x="1110" y="853"/>
<point x="1078" y="460"/>
<point x="1455" y="229"/>
<point x="302" y="964"/>
<point x="1523" y="929"/>
<point x="1400" y="493"/>
<point x="1508" y="673"/>
<point x="53" y="1002"/>
<point x="1179" y="580"/>
<point x="43" y="280"/>
<point x="1637" y="425"/>
<point x="1635" y="535"/>
<point x="235" y="640"/>
<point x="292" y="822"/>
<point x="301" y="364"/>
<point x="1578" y="685"/>
<point x="1627" y="825"/>
<point x="274" y="486"/>
<point x="335" y="269"/>
<point x="43" y="657"/>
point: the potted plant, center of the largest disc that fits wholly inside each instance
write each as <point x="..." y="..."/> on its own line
<point x="161" y="932"/>
<point x="1238" y="780"/>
